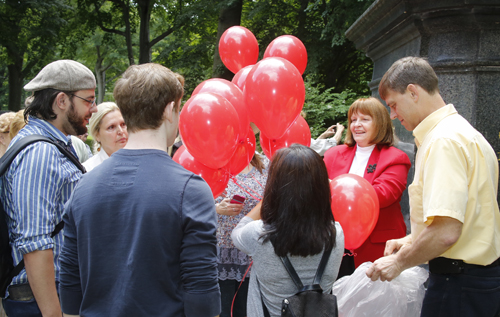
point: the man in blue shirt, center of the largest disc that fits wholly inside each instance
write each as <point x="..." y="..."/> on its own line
<point x="40" y="181"/>
<point x="139" y="229"/>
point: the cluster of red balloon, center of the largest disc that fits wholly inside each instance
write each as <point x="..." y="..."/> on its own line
<point x="215" y="122"/>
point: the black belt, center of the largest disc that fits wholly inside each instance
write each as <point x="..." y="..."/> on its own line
<point x="20" y="292"/>
<point x="442" y="265"/>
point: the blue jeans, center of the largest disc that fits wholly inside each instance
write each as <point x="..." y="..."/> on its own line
<point x="15" y="308"/>
<point x="475" y="292"/>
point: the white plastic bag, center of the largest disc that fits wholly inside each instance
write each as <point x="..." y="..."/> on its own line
<point x="357" y="295"/>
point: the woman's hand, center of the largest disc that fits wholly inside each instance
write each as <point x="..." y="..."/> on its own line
<point x="328" y="133"/>
<point x="225" y="208"/>
<point x="338" y="133"/>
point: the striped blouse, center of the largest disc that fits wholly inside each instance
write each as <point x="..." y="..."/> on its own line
<point x="34" y="190"/>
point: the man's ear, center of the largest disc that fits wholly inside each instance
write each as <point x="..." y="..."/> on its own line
<point x="62" y="101"/>
<point x="413" y="91"/>
<point x="169" y="111"/>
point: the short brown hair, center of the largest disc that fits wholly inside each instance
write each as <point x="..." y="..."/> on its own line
<point x="381" y="121"/>
<point x="143" y="92"/>
<point x="409" y="70"/>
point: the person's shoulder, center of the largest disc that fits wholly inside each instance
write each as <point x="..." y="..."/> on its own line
<point x="394" y="154"/>
<point x="337" y="150"/>
<point x="39" y="149"/>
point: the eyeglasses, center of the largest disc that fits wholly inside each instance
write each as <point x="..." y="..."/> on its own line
<point x="91" y="102"/>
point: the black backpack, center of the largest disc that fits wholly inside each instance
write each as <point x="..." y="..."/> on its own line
<point x="309" y="301"/>
<point x="7" y="269"/>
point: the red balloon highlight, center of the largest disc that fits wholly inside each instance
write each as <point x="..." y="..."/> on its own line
<point x="244" y="153"/>
<point x="298" y="132"/>
<point x="209" y="126"/>
<point x="241" y="76"/>
<point x="274" y="94"/>
<point x="217" y="179"/>
<point x="238" y="48"/>
<point x="290" y="48"/>
<point x="233" y="94"/>
<point x="355" y="206"/>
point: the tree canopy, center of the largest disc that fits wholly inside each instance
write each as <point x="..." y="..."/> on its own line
<point x="109" y="35"/>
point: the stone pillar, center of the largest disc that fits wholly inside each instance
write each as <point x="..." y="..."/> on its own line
<point x="460" y="39"/>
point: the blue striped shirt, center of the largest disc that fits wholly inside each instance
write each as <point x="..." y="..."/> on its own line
<point x="34" y="190"/>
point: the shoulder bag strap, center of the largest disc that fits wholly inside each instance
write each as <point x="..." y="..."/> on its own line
<point x="322" y="266"/>
<point x="319" y="273"/>
<point x="13" y="151"/>
<point x="9" y="156"/>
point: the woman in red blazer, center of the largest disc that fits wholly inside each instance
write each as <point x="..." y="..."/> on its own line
<point x="368" y="151"/>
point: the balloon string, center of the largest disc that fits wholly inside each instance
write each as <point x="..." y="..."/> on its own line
<point x="236" y="182"/>
<point x="350" y="253"/>
<point x="258" y="182"/>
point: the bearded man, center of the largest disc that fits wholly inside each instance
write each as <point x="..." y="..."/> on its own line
<point x="39" y="182"/>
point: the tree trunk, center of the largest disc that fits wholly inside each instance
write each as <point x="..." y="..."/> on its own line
<point x="100" y="75"/>
<point x="302" y="17"/>
<point x="128" y="33"/>
<point x="144" y="8"/>
<point x="15" y="82"/>
<point x="228" y="17"/>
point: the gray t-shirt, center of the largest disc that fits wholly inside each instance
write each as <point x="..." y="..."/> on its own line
<point x="274" y="281"/>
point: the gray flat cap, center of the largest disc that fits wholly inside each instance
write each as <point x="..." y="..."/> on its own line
<point x="65" y="74"/>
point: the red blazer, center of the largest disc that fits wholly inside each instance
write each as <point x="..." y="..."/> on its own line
<point x="389" y="180"/>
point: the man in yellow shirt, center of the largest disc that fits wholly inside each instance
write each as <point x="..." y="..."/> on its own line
<point x="455" y="220"/>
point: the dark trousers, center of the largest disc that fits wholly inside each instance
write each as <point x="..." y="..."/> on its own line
<point x="475" y="292"/>
<point x="227" y="290"/>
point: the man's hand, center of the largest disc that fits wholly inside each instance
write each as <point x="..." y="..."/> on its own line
<point x="386" y="268"/>
<point x="393" y="246"/>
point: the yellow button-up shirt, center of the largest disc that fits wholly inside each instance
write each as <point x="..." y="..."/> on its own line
<point x="456" y="175"/>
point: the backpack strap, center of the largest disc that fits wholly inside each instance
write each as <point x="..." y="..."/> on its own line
<point x="9" y="156"/>
<point x="317" y="279"/>
<point x="13" y="151"/>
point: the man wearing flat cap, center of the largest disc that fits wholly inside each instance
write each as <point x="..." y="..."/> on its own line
<point x="40" y="181"/>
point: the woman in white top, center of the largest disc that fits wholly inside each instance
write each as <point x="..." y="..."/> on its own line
<point x="369" y="152"/>
<point x="109" y="131"/>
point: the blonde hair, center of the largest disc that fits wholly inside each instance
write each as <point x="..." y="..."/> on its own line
<point x="17" y="124"/>
<point x="381" y="121"/>
<point x="96" y="119"/>
<point x="5" y="120"/>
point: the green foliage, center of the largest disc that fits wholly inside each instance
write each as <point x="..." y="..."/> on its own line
<point x="324" y="107"/>
<point x="29" y="32"/>
<point x="183" y="37"/>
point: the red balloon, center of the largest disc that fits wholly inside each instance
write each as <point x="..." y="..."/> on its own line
<point x="298" y="132"/>
<point x="238" y="48"/>
<point x="243" y="154"/>
<point x="233" y="94"/>
<point x="290" y="48"/>
<point x="209" y="126"/>
<point x="217" y="179"/>
<point x="355" y="206"/>
<point x="274" y="94"/>
<point x="240" y="77"/>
